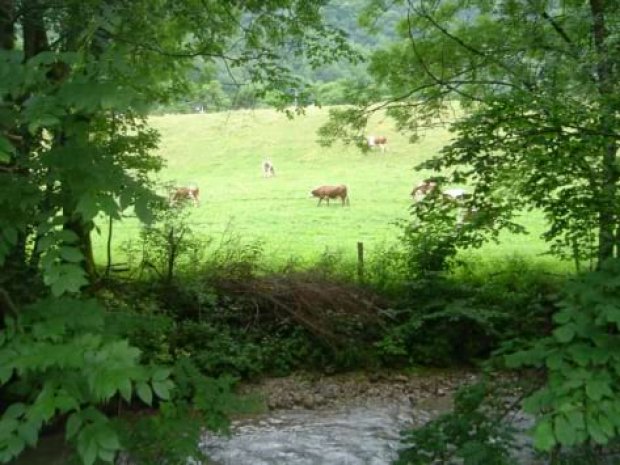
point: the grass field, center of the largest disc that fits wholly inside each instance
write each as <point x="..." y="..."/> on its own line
<point x="222" y="154"/>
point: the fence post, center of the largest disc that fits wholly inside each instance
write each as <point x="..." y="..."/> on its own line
<point x="360" y="262"/>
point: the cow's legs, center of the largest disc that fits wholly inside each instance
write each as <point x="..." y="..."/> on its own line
<point x="320" y="200"/>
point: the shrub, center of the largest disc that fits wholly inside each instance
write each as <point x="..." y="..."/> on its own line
<point x="579" y="404"/>
<point x="472" y="434"/>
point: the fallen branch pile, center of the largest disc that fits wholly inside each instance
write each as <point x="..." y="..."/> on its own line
<point x="334" y="312"/>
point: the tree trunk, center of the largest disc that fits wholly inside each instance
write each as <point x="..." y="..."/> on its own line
<point x="35" y="34"/>
<point x="14" y="268"/>
<point x="82" y="230"/>
<point x="7" y="25"/>
<point x="609" y="177"/>
<point x="35" y="42"/>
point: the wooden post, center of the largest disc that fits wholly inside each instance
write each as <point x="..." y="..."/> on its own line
<point x="360" y="262"/>
<point x="109" y="248"/>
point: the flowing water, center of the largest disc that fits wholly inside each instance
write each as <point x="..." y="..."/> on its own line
<point x="346" y="436"/>
<point x="363" y="434"/>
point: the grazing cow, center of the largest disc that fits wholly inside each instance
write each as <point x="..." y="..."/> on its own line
<point x="180" y="194"/>
<point x="424" y="188"/>
<point x="268" y="169"/>
<point x="429" y="185"/>
<point x="331" y="192"/>
<point x="377" y="141"/>
<point x="478" y="217"/>
<point x="455" y="195"/>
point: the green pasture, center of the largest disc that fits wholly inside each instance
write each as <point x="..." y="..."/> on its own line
<point x="222" y="154"/>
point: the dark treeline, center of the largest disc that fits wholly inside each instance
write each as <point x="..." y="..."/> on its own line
<point x="220" y="86"/>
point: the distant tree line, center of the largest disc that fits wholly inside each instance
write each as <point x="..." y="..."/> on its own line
<point x="218" y="87"/>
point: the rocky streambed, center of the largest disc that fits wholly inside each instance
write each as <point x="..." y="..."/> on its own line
<point x="353" y="419"/>
<point x="311" y="391"/>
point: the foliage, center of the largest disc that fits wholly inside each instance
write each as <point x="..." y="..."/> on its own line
<point x="56" y="362"/>
<point x="458" y="333"/>
<point x="172" y="434"/>
<point x="166" y="241"/>
<point x="464" y="316"/>
<point x="431" y="238"/>
<point x="148" y="332"/>
<point x="77" y="81"/>
<point x="472" y="434"/>
<point x="529" y="91"/>
<point x="579" y="403"/>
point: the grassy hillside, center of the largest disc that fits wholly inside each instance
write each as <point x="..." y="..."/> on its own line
<point x="222" y="154"/>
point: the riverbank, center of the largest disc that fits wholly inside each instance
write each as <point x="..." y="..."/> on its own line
<point x="315" y="391"/>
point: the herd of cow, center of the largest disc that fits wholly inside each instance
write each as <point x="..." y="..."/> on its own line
<point x="327" y="192"/>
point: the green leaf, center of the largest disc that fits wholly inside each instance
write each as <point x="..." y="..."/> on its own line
<point x="10" y="234"/>
<point x="5" y="373"/>
<point x="126" y="198"/>
<point x="144" y="392"/>
<point x="606" y="424"/>
<point x="15" y="445"/>
<point x="581" y="353"/>
<point x="564" y="431"/>
<point x="143" y="211"/>
<point x="162" y="389"/>
<point x="29" y="432"/>
<point x="107" y="439"/>
<point x="596" y="431"/>
<point x="565" y="333"/>
<point x="576" y="419"/>
<point x="45" y="243"/>
<point x="87" y="448"/>
<point x="71" y="254"/>
<point x="555" y="360"/>
<point x="87" y="207"/>
<point x="543" y="436"/>
<point x="15" y="410"/>
<point x="124" y="387"/>
<point x="70" y="278"/>
<point x="67" y="236"/>
<point x="597" y="389"/>
<point x="6" y="150"/>
<point x="74" y="424"/>
<point x="161" y="374"/>
<point x="107" y="455"/>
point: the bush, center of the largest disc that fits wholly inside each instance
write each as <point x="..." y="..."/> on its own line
<point x="472" y="434"/>
<point x="579" y="403"/>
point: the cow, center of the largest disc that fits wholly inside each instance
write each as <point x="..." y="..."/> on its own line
<point x="430" y="185"/>
<point x="377" y="141"/>
<point x="424" y="188"/>
<point x="268" y="169"/>
<point x="331" y="192"/>
<point x="179" y="194"/>
<point x="454" y="195"/>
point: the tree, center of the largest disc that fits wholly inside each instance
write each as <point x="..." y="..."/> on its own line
<point x="77" y="79"/>
<point x="534" y="84"/>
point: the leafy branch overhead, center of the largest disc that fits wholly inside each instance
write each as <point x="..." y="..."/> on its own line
<point x="530" y="92"/>
<point x="77" y="81"/>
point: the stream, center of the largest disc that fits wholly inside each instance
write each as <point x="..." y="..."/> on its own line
<point x="360" y="435"/>
<point x="348" y="421"/>
<point x="345" y="436"/>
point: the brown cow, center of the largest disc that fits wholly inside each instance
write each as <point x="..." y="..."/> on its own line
<point x="184" y="193"/>
<point x="377" y="141"/>
<point x="424" y="188"/>
<point x="331" y="192"/>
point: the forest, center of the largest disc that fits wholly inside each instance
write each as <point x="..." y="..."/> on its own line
<point x="166" y="299"/>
